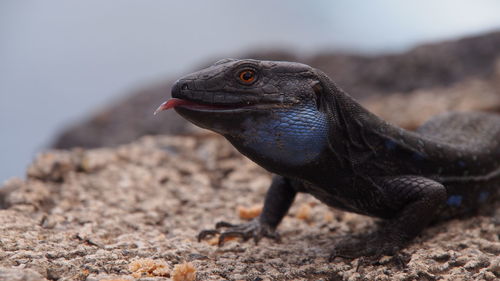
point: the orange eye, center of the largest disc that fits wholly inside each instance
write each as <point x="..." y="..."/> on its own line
<point x="247" y="76"/>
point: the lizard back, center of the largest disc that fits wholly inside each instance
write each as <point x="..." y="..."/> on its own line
<point x="475" y="136"/>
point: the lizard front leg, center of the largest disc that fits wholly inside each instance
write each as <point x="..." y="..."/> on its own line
<point x="278" y="200"/>
<point x="414" y="200"/>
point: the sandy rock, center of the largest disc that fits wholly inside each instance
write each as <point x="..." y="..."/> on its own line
<point x="89" y="214"/>
<point x="13" y="274"/>
<point x="411" y="110"/>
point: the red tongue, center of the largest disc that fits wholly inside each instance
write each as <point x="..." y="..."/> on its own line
<point x="171" y="103"/>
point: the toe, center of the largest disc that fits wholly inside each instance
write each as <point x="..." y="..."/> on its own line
<point x="222" y="224"/>
<point x="205" y="233"/>
<point x="230" y="234"/>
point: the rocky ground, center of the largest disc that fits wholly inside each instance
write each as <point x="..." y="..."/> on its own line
<point x="133" y="213"/>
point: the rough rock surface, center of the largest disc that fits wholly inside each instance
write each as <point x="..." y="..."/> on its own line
<point x="431" y="67"/>
<point x="101" y="214"/>
<point x="410" y="110"/>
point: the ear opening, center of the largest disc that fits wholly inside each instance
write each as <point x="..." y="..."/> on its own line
<point x="318" y="91"/>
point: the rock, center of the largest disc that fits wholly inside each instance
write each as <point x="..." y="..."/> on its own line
<point x="431" y="69"/>
<point x="134" y="210"/>
<point x="15" y="274"/>
<point x="93" y="214"/>
<point x="424" y="67"/>
<point x="410" y="110"/>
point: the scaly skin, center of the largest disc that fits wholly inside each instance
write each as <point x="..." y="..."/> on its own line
<point x="295" y="122"/>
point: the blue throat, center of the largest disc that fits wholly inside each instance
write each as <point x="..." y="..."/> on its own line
<point x="290" y="138"/>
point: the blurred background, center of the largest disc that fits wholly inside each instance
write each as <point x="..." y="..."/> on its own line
<point x="63" y="61"/>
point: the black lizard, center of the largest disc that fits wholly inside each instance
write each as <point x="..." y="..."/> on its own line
<point x="295" y="122"/>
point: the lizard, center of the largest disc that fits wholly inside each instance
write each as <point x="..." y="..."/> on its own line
<point x="295" y="122"/>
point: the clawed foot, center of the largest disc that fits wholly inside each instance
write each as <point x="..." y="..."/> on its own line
<point x="253" y="229"/>
<point x="373" y="246"/>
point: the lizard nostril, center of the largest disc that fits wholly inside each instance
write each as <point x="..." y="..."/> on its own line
<point x="184" y="86"/>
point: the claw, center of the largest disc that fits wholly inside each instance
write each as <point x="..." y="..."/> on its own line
<point x="276" y="236"/>
<point x="349" y="248"/>
<point x="204" y="233"/>
<point x="401" y="260"/>
<point x="253" y="229"/>
<point x="332" y="256"/>
<point x="336" y="254"/>
<point x="229" y="234"/>
<point x="371" y="246"/>
<point x="256" y="239"/>
<point x="222" y="224"/>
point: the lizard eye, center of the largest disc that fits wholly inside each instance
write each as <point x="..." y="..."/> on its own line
<point x="247" y="76"/>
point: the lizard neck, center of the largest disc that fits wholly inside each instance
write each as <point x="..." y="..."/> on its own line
<point x="285" y="140"/>
<point x="369" y="145"/>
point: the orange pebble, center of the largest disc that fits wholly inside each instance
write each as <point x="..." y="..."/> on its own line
<point x="184" y="272"/>
<point x="249" y="213"/>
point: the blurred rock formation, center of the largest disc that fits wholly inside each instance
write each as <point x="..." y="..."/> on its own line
<point x="443" y="71"/>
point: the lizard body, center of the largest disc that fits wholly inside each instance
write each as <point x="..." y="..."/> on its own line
<point x="294" y="121"/>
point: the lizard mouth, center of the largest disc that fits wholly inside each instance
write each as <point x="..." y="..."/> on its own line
<point x="191" y="105"/>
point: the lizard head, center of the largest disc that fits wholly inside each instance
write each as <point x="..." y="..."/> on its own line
<point x="216" y="97"/>
<point x="267" y="109"/>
